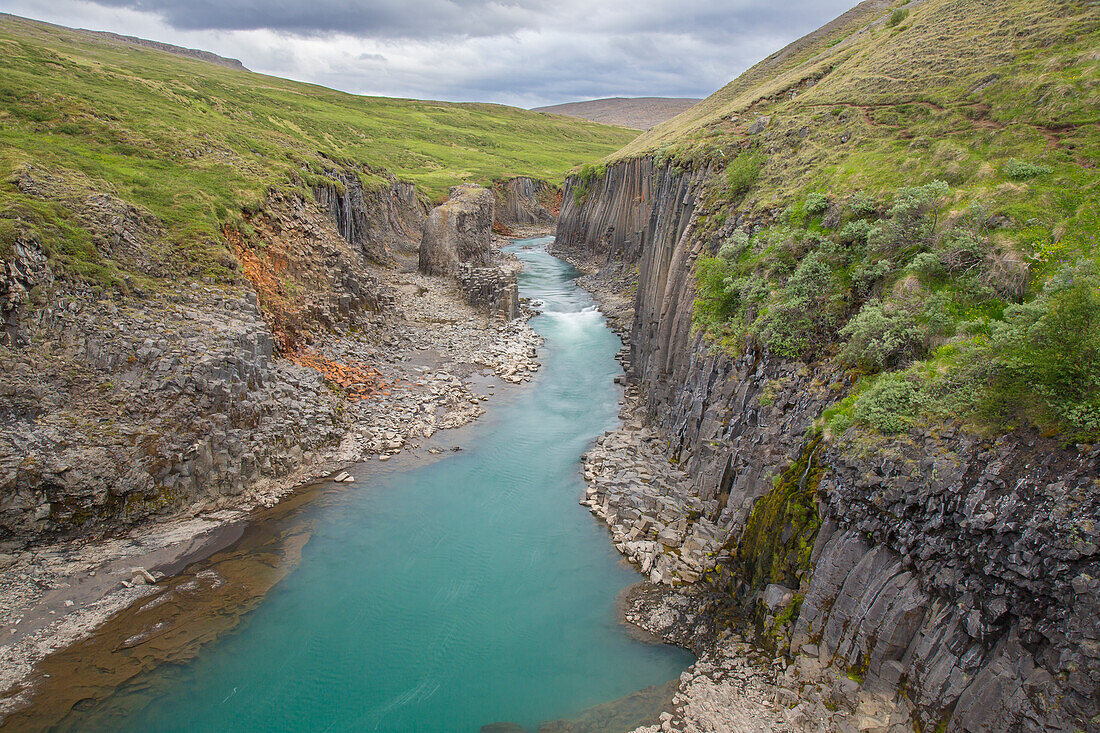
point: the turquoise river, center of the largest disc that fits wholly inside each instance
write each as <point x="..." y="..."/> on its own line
<point x="444" y="596"/>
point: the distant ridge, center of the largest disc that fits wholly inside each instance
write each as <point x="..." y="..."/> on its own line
<point x="638" y="113"/>
<point x="194" y="53"/>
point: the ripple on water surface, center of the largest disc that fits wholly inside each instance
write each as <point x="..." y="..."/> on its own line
<point x="443" y="597"/>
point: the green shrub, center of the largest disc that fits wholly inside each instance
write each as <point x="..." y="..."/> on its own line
<point x="866" y="274"/>
<point x="1050" y="349"/>
<point x="855" y="231"/>
<point x="816" y="203"/>
<point x="1020" y="170"/>
<point x="586" y="180"/>
<point x="927" y="265"/>
<point x="912" y="218"/>
<point x="897" y="17"/>
<point x="798" y="324"/>
<point x="713" y="304"/>
<point x="889" y="406"/>
<point x="734" y="246"/>
<point x="742" y="172"/>
<point x="860" y="205"/>
<point x="881" y="335"/>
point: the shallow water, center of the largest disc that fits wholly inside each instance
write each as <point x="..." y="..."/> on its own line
<point x="445" y="597"/>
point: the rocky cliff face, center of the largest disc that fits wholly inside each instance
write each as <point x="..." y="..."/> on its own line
<point x="961" y="570"/>
<point x="381" y="222"/>
<point x="118" y="405"/>
<point x="525" y="201"/>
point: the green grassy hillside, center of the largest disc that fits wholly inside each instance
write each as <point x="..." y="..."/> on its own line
<point x="193" y="143"/>
<point x="921" y="184"/>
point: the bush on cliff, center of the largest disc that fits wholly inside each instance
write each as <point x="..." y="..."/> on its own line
<point x="1050" y="348"/>
<point x="882" y="294"/>
<point x="881" y="335"/>
<point x="889" y="406"/>
<point x="742" y="172"/>
<point x="586" y="180"/>
<point x="802" y="319"/>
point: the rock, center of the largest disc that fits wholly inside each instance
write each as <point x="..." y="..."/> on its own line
<point x="343" y="477"/>
<point x="141" y="576"/>
<point x="458" y="231"/>
<point x="777" y="596"/>
<point x="759" y="125"/>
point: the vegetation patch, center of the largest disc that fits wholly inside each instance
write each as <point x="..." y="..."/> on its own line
<point x="779" y="536"/>
<point x="743" y="171"/>
<point x="196" y="144"/>
<point x="586" y="180"/>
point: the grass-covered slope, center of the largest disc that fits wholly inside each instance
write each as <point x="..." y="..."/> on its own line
<point x="194" y="143"/>
<point x="916" y="194"/>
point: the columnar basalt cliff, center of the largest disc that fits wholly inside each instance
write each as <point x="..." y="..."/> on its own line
<point x="382" y="221"/>
<point x="196" y="401"/>
<point x="525" y="201"/>
<point x="960" y="569"/>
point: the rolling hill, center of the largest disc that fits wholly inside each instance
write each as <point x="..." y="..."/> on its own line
<point x="638" y="113"/>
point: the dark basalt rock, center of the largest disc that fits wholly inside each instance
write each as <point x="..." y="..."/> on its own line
<point x="377" y="221"/>
<point x="524" y="201"/>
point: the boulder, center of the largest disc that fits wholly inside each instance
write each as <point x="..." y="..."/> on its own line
<point x="777" y="596"/>
<point x="458" y="231"/>
<point x="141" y="576"/>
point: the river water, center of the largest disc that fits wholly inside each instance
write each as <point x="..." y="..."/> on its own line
<point x="445" y="597"/>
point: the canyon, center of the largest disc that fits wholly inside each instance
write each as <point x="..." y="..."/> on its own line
<point x="855" y="467"/>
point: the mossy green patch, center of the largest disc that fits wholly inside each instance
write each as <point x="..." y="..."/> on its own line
<point x="778" y="538"/>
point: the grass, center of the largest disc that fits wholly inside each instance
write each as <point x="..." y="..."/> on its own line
<point x="990" y="111"/>
<point x="195" y="144"/>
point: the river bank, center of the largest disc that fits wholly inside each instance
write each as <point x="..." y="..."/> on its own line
<point x="443" y="358"/>
<point x="657" y="520"/>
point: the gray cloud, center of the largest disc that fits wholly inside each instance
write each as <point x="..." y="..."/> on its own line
<point x="522" y="52"/>
<point x="376" y="18"/>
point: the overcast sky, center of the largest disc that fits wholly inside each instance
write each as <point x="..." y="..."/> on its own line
<point x="520" y="52"/>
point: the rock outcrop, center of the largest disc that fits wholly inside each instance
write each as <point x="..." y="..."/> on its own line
<point x="492" y="290"/>
<point x="457" y="242"/>
<point x="381" y="221"/>
<point x="960" y="569"/>
<point x="458" y="231"/>
<point x="26" y="271"/>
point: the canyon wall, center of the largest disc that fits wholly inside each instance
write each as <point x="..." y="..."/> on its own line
<point x="956" y="570"/>
<point x="382" y="221"/>
<point x="526" y="201"/>
<point x="118" y="406"/>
